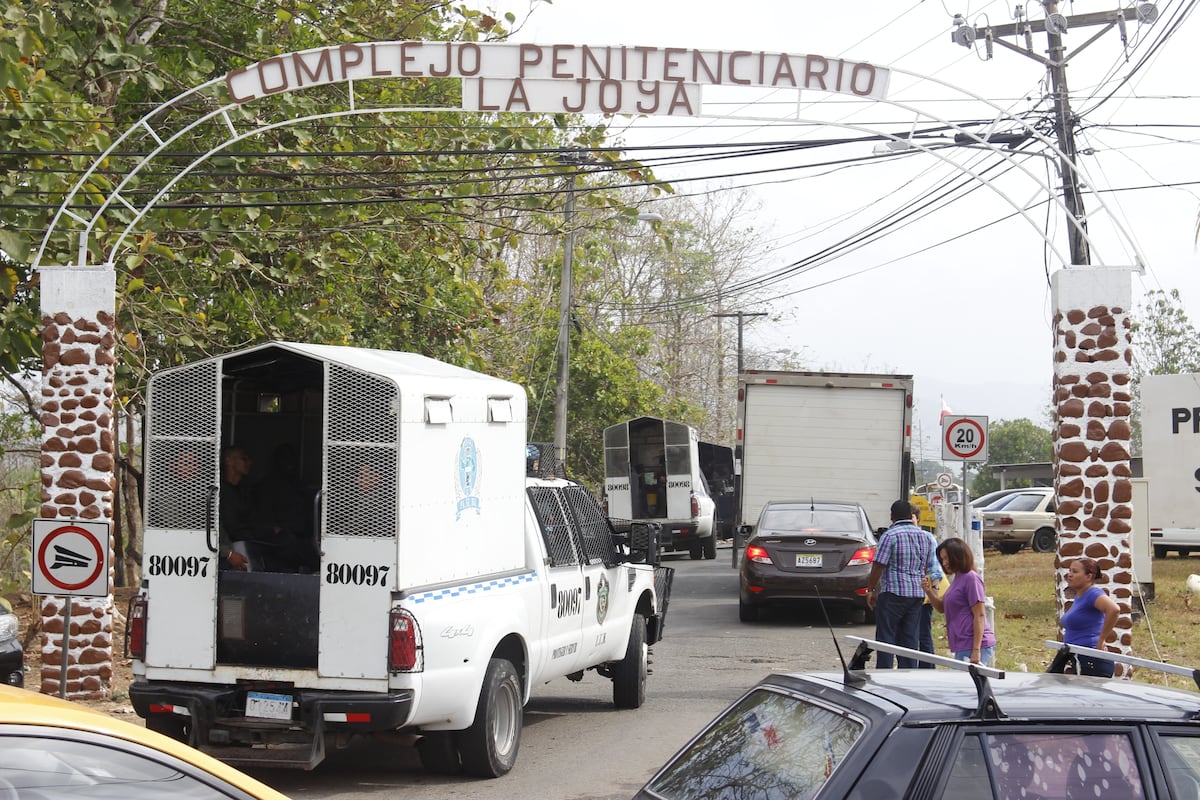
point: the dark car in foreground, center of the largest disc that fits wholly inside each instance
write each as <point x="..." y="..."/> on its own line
<point x="12" y="655"/>
<point x="960" y="732"/>
<point x="807" y="550"/>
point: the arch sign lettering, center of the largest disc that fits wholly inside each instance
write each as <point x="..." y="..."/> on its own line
<point x="561" y="78"/>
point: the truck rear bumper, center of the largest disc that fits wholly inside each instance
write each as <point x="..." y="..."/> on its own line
<point x="212" y="718"/>
<point x="681" y="533"/>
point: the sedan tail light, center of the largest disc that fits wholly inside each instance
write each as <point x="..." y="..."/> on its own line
<point x="863" y="555"/>
<point x="1005" y="521"/>
<point x="759" y="554"/>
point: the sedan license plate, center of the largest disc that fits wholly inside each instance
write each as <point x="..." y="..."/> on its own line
<point x="268" y="706"/>
<point x="808" y="561"/>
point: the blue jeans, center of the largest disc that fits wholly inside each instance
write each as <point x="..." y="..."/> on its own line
<point x="926" y="633"/>
<point x="987" y="655"/>
<point x="898" y="622"/>
<point x="1098" y="667"/>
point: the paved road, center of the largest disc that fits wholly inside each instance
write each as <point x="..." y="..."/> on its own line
<point x="575" y="745"/>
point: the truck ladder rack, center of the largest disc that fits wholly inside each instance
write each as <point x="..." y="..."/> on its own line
<point x="1132" y="661"/>
<point x="987" y="707"/>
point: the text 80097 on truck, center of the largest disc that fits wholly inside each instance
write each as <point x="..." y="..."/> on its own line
<point x="394" y="569"/>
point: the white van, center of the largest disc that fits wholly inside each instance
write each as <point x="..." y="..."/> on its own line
<point x="652" y="474"/>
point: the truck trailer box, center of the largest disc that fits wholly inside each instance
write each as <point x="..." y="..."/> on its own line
<point x="823" y="436"/>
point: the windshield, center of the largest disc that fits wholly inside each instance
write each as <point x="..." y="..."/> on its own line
<point x="804" y="519"/>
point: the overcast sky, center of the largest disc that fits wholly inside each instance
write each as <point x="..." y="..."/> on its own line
<point x="958" y="294"/>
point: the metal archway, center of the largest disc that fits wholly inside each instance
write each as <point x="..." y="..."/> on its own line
<point x="159" y="132"/>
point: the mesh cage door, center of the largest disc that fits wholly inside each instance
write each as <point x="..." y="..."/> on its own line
<point x="360" y="516"/>
<point x="180" y="563"/>
<point x="362" y="437"/>
<point x="183" y="432"/>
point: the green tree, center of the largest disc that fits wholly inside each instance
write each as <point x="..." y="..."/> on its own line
<point x="1165" y="343"/>
<point x="388" y="231"/>
<point x="1016" y="441"/>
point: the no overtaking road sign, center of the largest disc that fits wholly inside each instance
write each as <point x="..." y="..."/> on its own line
<point x="70" y="558"/>
<point x="964" y="438"/>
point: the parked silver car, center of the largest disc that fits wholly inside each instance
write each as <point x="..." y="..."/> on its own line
<point x="1023" y="518"/>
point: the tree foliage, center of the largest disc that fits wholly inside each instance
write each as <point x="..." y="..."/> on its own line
<point x="1016" y="441"/>
<point x="1165" y="343"/>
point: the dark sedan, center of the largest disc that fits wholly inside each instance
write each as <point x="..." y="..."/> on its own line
<point x="807" y="550"/>
<point x="959" y="732"/>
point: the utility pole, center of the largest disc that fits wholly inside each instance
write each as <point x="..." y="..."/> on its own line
<point x="741" y="315"/>
<point x="1055" y="25"/>
<point x="564" y="329"/>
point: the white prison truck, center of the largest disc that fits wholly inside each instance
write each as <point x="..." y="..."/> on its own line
<point x="1171" y="461"/>
<point x="822" y="436"/>
<point x="404" y="575"/>
<point x="652" y="474"/>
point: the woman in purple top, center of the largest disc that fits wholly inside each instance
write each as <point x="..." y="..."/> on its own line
<point x="1091" y="618"/>
<point x="967" y="631"/>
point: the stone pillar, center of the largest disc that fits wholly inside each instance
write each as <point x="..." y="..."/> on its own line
<point x="78" y="335"/>
<point x="1092" y="401"/>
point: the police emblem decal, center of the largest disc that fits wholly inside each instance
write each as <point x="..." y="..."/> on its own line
<point x="602" y="599"/>
<point x="467" y="483"/>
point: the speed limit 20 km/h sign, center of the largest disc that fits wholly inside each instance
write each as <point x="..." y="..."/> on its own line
<point x="964" y="438"/>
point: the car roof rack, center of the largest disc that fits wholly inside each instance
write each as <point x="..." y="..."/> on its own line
<point x="987" y="707"/>
<point x="1121" y="658"/>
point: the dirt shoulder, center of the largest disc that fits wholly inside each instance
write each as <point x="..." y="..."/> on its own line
<point x="30" y="634"/>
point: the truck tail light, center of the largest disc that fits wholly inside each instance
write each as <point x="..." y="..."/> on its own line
<point x="135" y="628"/>
<point x="405" y="651"/>
<point x="695" y="506"/>
<point x="604" y="505"/>
<point x="863" y="555"/>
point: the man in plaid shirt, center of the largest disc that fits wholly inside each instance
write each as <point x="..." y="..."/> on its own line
<point x="894" y="585"/>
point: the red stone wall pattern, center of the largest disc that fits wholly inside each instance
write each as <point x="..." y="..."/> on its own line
<point x="77" y="483"/>
<point x="1092" y="401"/>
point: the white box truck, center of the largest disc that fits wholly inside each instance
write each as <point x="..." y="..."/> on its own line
<point x="405" y="575"/>
<point x="1171" y="461"/>
<point x="822" y="436"/>
<point x="652" y="473"/>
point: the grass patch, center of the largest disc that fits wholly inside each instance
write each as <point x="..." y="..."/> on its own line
<point x="1022" y="586"/>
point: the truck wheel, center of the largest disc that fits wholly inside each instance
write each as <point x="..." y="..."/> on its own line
<point x="710" y="547"/>
<point x="439" y="753"/>
<point x="489" y="747"/>
<point x="747" y="612"/>
<point x="1043" y="540"/>
<point x="629" y="677"/>
<point x="695" y="551"/>
<point x="1160" y="551"/>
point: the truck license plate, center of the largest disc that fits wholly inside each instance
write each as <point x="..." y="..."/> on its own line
<point x="808" y="561"/>
<point x="268" y="706"/>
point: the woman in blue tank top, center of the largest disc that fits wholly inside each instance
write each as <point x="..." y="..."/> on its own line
<point x="1090" y="619"/>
